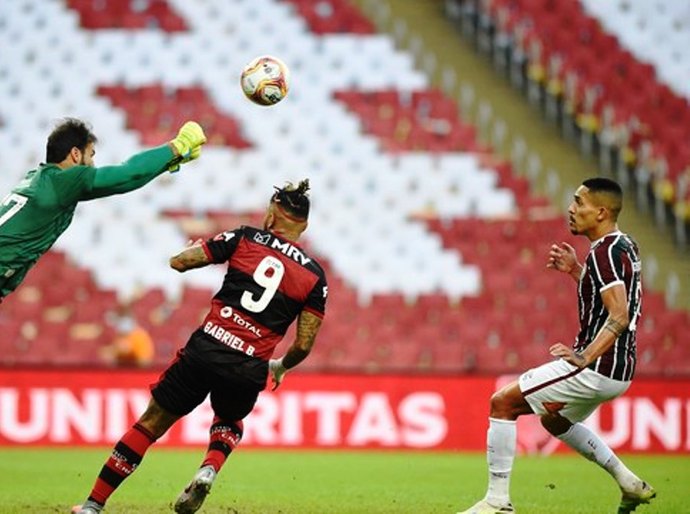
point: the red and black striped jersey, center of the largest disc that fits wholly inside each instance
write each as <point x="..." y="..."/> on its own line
<point x="269" y="282"/>
<point x="614" y="259"/>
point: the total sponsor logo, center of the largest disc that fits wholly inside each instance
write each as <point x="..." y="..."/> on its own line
<point x="228" y="313"/>
<point x="225" y="336"/>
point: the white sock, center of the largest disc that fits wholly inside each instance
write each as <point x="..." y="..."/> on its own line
<point x="591" y="446"/>
<point x="500" y="453"/>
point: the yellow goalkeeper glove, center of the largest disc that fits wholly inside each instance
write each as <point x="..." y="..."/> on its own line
<point x="175" y="165"/>
<point x="188" y="143"/>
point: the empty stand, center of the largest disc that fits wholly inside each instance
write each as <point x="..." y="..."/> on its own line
<point x="130" y="15"/>
<point x="434" y="248"/>
<point x="155" y="113"/>
<point x="618" y="73"/>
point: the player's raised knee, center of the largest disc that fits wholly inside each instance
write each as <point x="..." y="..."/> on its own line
<point x="500" y="406"/>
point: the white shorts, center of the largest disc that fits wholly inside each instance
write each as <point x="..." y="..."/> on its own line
<point x="572" y="392"/>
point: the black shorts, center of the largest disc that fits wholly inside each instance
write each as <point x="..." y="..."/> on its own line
<point x="205" y="366"/>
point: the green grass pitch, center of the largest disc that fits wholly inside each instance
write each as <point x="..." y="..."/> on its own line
<point x="319" y="482"/>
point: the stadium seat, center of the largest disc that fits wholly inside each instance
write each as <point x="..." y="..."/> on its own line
<point x="626" y="57"/>
<point x="411" y="214"/>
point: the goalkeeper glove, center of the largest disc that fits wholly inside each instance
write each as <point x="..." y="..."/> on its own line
<point x="277" y="370"/>
<point x="175" y="164"/>
<point x="188" y="143"/>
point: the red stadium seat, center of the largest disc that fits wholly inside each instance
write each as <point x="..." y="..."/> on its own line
<point x="142" y="308"/>
<point x="455" y="358"/>
<point x="521" y="309"/>
<point x="604" y="74"/>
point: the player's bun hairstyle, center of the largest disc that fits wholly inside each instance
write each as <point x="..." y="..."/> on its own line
<point x="293" y="199"/>
<point x="69" y="133"/>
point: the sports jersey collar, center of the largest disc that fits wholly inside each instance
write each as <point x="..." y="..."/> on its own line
<point x="614" y="233"/>
<point x="44" y="165"/>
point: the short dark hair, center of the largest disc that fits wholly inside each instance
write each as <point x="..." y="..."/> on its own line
<point x="69" y="133"/>
<point x="293" y="199"/>
<point x="609" y="187"/>
<point x="603" y="185"/>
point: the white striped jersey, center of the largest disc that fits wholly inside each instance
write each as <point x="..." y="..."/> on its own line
<point x="613" y="259"/>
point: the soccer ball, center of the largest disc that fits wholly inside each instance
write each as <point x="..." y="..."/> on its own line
<point x="265" y="80"/>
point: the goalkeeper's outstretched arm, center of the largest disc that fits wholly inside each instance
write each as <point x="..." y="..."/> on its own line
<point x="135" y="172"/>
<point x="143" y="167"/>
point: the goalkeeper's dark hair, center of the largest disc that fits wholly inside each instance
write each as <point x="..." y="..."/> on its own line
<point x="608" y="187"/>
<point x="294" y="200"/>
<point x="69" y="133"/>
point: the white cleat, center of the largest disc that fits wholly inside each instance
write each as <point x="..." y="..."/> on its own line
<point x="85" y="509"/>
<point x="484" y="507"/>
<point x="642" y="493"/>
<point x="193" y="496"/>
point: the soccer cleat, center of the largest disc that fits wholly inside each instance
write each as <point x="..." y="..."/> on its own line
<point x="643" y="493"/>
<point x="194" y="494"/>
<point x="484" y="507"/>
<point x="89" y="507"/>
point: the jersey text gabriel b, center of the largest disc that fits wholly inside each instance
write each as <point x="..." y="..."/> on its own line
<point x="269" y="281"/>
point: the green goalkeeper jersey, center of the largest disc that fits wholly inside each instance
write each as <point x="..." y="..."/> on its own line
<point x="41" y="206"/>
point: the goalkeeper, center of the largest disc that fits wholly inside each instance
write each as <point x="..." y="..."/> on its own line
<point x="41" y="206"/>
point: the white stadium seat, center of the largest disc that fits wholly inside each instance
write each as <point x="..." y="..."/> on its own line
<point x="363" y="200"/>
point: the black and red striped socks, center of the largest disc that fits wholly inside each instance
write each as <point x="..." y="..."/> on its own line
<point x="126" y="456"/>
<point x="224" y="437"/>
<point x="130" y="449"/>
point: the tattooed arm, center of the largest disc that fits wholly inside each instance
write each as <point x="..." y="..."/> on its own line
<point x="194" y="256"/>
<point x="616" y="302"/>
<point x="308" y="325"/>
